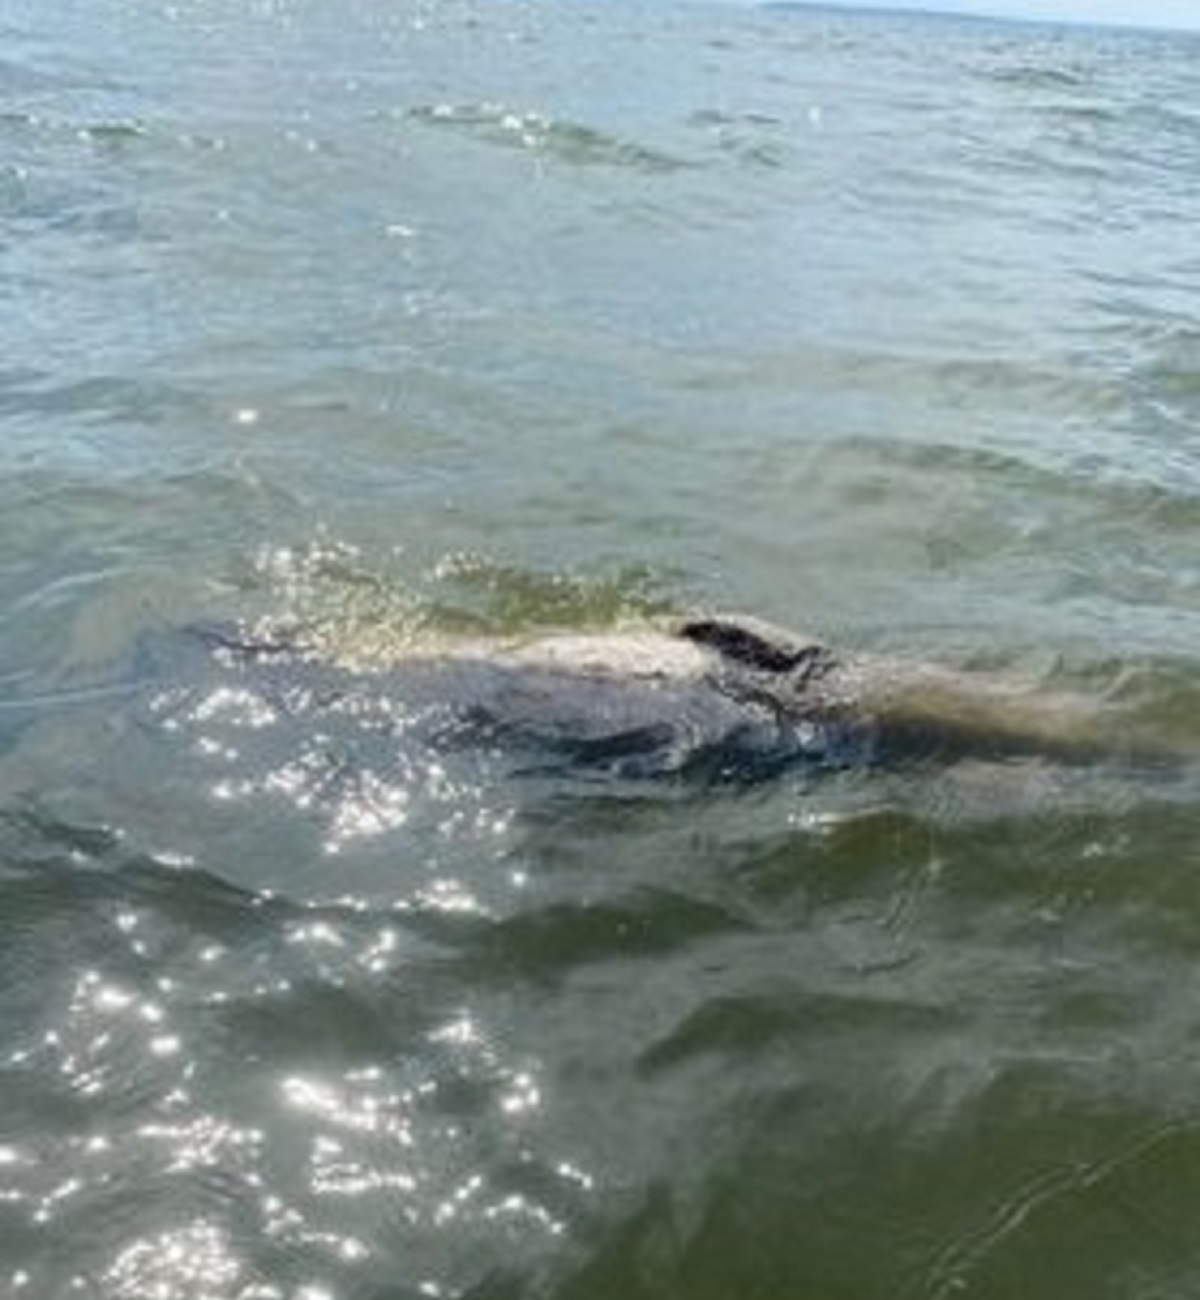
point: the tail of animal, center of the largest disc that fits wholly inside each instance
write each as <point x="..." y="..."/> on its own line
<point x="920" y="709"/>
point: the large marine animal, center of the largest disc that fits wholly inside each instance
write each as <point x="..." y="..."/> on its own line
<point x="718" y="697"/>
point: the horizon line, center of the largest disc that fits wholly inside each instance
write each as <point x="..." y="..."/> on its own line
<point x="930" y="9"/>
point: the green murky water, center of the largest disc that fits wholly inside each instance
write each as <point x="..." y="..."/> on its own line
<point x="411" y="317"/>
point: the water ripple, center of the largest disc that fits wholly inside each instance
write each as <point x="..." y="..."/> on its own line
<point x="572" y="143"/>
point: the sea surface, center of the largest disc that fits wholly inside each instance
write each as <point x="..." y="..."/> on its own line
<point x="390" y="319"/>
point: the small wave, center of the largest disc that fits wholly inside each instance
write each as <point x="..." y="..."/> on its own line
<point x="573" y="143"/>
<point x="1031" y="77"/>
<point x="1080" y="114"/>
<point x="17" y="122"/>
<point x="100" y="399"/>
<point x="719" y="117"/>
<point x="745" y="1025"/>
<point x="114" y="133"/>
<point x="754" y="139"/>
<point x="548" y="944"/>
<point x="362" y="612"/>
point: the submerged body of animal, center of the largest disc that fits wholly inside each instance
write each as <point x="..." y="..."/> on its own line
<point x="725" y="697"/>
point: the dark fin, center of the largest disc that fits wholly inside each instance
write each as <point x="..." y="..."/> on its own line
<point x="745" y="646"/>
<point x="238" y="641"/>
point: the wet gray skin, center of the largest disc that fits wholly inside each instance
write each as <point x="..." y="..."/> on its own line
<point x="723" y="697"/>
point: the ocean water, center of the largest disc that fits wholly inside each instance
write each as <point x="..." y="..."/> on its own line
<point x="409" y="318"/>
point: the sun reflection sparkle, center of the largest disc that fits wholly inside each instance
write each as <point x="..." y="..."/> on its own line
<point x="452" y="896"/>
<point x="237" y="706"/>
<point x="203" y="1142"/>
<point x="523" y="1095"/>
<point x="316" y="932"/>
<point x="375" y="806"/>
<point x="192" y="1262"/>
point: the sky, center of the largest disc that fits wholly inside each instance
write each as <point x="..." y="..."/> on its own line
<point x="1141" y="13"/>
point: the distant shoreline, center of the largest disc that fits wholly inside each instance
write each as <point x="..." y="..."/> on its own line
<point x="924" y="12"/>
